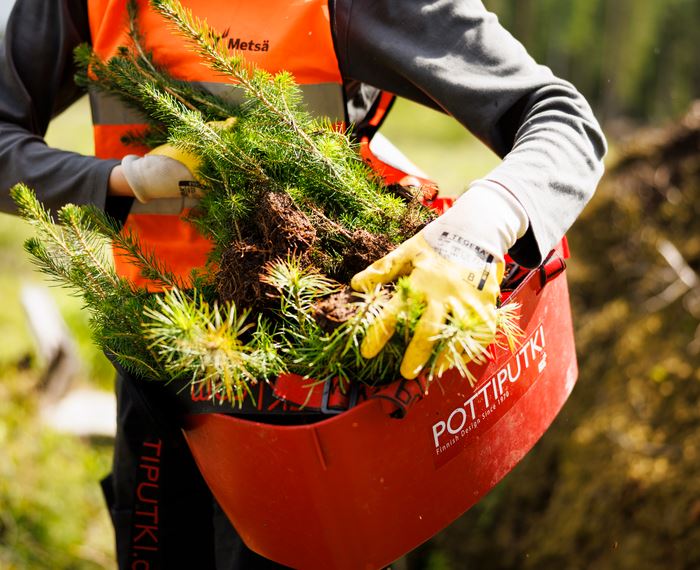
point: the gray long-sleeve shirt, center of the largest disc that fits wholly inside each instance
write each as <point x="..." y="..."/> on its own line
<point x="451" y="55"/>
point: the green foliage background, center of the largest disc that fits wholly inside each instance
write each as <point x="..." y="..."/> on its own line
<point x="636" y="61"/>
<point x="633" y="59"/>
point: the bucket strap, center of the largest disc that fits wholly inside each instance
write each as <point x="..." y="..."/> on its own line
<point x="289" y="394"/>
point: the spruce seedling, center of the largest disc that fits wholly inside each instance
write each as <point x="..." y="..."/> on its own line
<point x="323" y="206"/>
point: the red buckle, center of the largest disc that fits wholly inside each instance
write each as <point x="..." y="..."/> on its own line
<point x="552" y="266"/>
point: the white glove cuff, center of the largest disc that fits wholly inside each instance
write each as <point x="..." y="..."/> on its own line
<point x="487" y="219"/>
<point x="155" y="176"/>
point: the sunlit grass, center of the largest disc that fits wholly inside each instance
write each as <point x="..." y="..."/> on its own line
<point x="15" y="268"/>
<point x="439" y="145"/>
<point x="70" y="131"/>
<point x="52" y="514"/>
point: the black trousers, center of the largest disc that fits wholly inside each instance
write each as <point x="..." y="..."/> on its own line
<point x="164" y="515"/>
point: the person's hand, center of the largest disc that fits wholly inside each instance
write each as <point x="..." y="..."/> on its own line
<point x="455" y="265"/>
<point x="446" y="287"/>
<point x="165" y="172"/>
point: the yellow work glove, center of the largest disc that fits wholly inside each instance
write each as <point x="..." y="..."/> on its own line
<point x="455" y="264"/>
<point x="165" y="172"/>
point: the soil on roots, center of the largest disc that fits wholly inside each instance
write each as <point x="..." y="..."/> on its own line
<point x="238" y="278"/>
<point x="280" y="229"/>
<point x="363" y="249"/>
<point x="282" y="226"/>
<point x="335" y="309"/>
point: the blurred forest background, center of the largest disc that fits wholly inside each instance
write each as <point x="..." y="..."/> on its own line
<point x="614" y="483"/>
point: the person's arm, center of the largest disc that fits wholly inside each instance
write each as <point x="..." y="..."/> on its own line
<point x="36" y="83"/>
<point x="456" y="57"/>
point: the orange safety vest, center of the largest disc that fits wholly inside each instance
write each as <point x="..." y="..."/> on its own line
<point x="275" y="35"/>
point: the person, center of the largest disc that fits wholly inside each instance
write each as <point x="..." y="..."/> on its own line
<point x="450" y="55"/>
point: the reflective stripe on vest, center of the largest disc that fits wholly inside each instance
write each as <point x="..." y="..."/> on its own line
<point x="322" y="100"/>
<point x="275" y="35"/>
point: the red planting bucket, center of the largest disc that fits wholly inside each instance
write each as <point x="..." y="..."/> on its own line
<point x="361" y="488"/>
